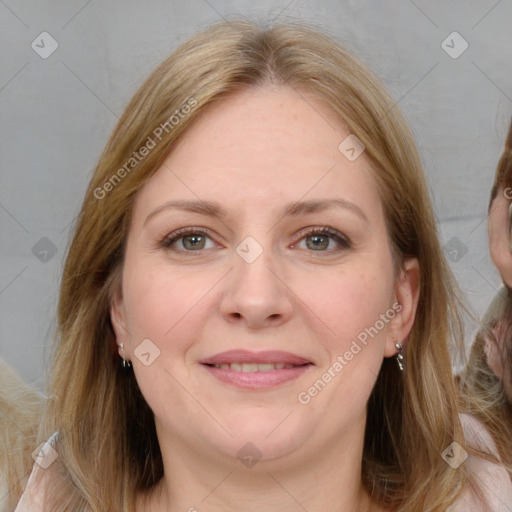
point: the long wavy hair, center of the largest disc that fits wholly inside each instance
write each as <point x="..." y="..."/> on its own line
<point x="108" y="448"/>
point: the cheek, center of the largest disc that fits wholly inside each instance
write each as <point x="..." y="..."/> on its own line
<point x="352" y="310"/>
<point x="353" y="348"/>
<point x="161" y="303"/>
<point x="165" y="306"/>
<point x="348" y="301"/>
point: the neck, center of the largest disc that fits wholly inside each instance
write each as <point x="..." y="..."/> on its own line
<point x="194" y="480"/>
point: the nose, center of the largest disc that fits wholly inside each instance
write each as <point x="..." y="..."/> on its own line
<point x="255" y="294"/>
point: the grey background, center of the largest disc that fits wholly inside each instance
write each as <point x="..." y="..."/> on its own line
<point x="56" y="115"/>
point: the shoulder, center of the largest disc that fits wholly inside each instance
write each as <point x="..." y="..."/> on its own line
<point x="492" y="479"/>
<point x="477" y="436"/>
<point x="33" y="497"/>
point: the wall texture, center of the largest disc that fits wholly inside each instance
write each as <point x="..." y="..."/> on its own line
<point x="68" y="68"/>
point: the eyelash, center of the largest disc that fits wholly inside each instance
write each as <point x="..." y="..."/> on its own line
<point x="341" y="239"/>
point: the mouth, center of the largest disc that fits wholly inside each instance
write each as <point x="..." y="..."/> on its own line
<point x="256" y="370"/>
<point x="255" y="367"/>
<point x="265" y="357"/>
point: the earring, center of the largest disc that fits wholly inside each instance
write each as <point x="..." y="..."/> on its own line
<point x="126" y="363"/>
<point x="400" y="356"/>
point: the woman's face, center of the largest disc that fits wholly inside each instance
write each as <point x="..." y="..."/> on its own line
<point x="259" y="281"/>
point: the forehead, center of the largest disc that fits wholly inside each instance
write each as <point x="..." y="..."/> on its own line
<point x="259" y="148"/>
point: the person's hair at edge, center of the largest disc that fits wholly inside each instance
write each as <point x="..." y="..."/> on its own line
<point x="494" y="408"/>
<point x="412" y="417"/>
<point x="20" y="410"/>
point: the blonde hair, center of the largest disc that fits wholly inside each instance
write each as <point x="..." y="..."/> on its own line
<point x="20" y="410"/>
<point x="108" y="449"/>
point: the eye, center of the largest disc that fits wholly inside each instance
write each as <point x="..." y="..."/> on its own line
<point x="192" y="239"/>
<point x="319" y="239"/>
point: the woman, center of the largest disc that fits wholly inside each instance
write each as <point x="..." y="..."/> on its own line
<point x="489" y="370"/>
<point x="255" y="249"/>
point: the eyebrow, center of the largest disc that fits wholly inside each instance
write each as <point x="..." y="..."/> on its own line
<point x="293" y="209"/>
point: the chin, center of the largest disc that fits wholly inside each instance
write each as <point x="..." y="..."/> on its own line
<point x="264" y="433"/>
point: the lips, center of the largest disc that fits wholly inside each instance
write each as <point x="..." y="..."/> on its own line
<point x="239" y="369"/>
<point x="241" y="357"/>
<point x="255" y="370"/>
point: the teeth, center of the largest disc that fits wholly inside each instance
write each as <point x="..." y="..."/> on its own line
<point x="266" y="367"/>
<point x="253" y="367"/>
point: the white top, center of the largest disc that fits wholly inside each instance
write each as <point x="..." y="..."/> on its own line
<point x="493" y="480"/>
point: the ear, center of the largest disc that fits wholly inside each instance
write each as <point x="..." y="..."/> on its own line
<point x="118" y="318"/>
<point x="406" y="296"/>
